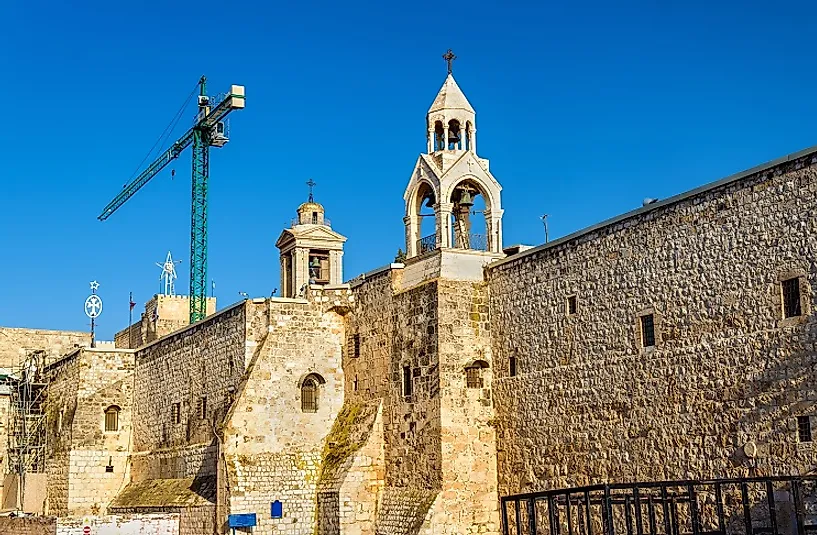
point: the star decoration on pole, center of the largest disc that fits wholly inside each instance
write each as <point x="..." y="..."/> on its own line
<point x="94" y="286"/>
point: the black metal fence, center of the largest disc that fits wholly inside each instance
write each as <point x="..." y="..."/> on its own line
<point x="752" y="506"/>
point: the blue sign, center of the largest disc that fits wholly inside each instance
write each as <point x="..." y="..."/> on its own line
<point x="277" y="509"/>
<point x="246" y="520"/>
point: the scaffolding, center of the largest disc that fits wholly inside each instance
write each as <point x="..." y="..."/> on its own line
<point x="27" y="421"/>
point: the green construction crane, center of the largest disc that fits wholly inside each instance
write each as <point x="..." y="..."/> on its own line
<point x="208" y="131"/>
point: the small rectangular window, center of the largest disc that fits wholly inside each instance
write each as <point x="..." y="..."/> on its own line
<point x="177" y="413"/>
<point x="407" y="382"/>
<point x="648" y="330"/>
<point x="804" y="428"/>
<point x="112" y="419"/>
<point x="203" y="407"/>
<point x="791" y="297"/>
<point x="314" y="218"/>
<point x="473" y="377"/>
<point x="572" y="305"/>
<point x="356" y="345"/>
<point x="512" y="364"/>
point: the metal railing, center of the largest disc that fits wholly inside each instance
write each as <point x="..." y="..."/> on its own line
<point x="309" y="221"/>
<point x="429" y="243"/>
<point x="751" y="506"/>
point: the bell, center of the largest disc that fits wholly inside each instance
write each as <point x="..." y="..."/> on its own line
<point x="453" y="137"/>
<point x="430" y="202"/>
<point x="315" y="262"/>
<point x="465" y="199"/>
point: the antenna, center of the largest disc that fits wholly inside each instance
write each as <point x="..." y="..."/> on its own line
<point x="168" y="275"/>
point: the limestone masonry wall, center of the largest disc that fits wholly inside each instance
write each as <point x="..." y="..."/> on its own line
<point x="93" y="459"/>
<point x="272" y="447"/>
<point x="186" y="383"/>
<point x="590" y="403"/>
<point x="16" y="343"/>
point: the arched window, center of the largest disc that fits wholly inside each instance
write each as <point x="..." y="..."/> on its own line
<point x="112" y="418"/>
<point x="310" y="392"/>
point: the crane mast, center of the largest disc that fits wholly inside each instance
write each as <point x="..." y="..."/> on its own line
<point x="208" y="131"/>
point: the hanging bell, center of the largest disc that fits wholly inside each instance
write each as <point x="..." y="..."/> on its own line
<point x="465" y="199"/>
<point x="315" y="262"/>
<point x="453" y="136"/>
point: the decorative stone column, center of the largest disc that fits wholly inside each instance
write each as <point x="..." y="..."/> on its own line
<point x="493" y="221"/>
<point x="412" y="234"/>
<point x="300" y="269"/>
<point x="445" y="136"/>
<point x="431" y="135"/>
<point x="335" y="267"/>
<point x="443" y="213"/>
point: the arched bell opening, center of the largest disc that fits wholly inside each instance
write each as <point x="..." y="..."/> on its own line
<point x="439" y="136"/>
<point x="468" y="223"/>
<point x="426" y="219"/>
<point x="468" y="134"/>
<point x="455" y="135"/>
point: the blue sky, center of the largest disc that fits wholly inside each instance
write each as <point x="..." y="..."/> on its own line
<point x="584" y="109"/>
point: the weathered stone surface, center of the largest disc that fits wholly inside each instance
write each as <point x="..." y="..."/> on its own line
<point x="590" y="404"/>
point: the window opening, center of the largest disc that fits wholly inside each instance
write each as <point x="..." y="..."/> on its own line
<point x="791" y="297"/>
<point x="309" y="395"/>
<point x="648" y="330"/>
<point x="203" y="407"/>
<point x="314" y="218"/>
<point x="356" y="345"/>
<point x="804" y="428"/>
<point x="407" y="383"/>
<point x="572" y="305"/>
<point x="512" y="366"/>
<point x="177" y="413"/>
<point x="473" y="377"/>
<point x="112" y="419"/>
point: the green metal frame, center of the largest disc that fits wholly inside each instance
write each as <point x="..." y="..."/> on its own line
<point x="199" y="137"/>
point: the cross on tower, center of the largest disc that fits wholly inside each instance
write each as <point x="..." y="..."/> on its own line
<point x="449" y="58"/>
<point x="311" y="185"/>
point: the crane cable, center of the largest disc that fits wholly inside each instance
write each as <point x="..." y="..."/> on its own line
<point x="167" y="131"/>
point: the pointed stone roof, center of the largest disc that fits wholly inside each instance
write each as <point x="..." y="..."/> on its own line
<point x="450" y="97"/>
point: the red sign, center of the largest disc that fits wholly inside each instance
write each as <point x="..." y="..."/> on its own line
<point x="86" y="530"/>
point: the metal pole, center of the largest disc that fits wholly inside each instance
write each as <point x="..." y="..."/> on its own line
<point x="545" y="223"/>
<point x="130" y="320"/>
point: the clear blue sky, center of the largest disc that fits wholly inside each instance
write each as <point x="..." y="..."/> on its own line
<point x="584" y="109"/>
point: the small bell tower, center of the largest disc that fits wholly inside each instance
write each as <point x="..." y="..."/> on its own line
<point x="451" y="185"/>
<point x="311" y="253"/>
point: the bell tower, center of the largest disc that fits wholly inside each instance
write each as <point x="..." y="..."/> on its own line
<point x="453" y="181"/>
<point x="311" y="252"/>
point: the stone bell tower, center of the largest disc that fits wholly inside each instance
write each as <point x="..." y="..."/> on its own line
<point x="454" y="182"/>
<point x="310" y="251"/>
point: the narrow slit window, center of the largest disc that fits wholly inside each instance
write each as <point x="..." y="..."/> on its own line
<point x="407" y="382"/>
<point x="203" y="407"/>
<point x="804" y="428"/>
<point x="512" y="367"/>
<point x="177" y="413"/>
<point x="648" y="330"/>
<point x="356" y="345"/>
<point x="791" y="297"/>
<point x="314" y="218"/>
<point x="572" y="305"/>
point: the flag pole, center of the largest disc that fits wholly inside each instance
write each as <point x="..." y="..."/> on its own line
<point x="130" y="320"/>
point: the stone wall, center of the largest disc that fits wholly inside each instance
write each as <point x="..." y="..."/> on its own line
<point x="273" y="448"/>
<point x="88" y="465"/>
<point x="29" y="525"/>
<point x="186" y="384"/>
<point x="16" y="344"/>
<point x="727" y="376"/>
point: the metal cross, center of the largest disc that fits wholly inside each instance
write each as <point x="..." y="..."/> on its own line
<point x="311" y="185"/>
<point x="449" y="58"/>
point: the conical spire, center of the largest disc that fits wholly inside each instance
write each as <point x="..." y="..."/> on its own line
<point x="450" y="97"/>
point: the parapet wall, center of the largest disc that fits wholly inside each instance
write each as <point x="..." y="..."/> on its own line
<point x="720" y="392"/>
<point x="16" y="344"/>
